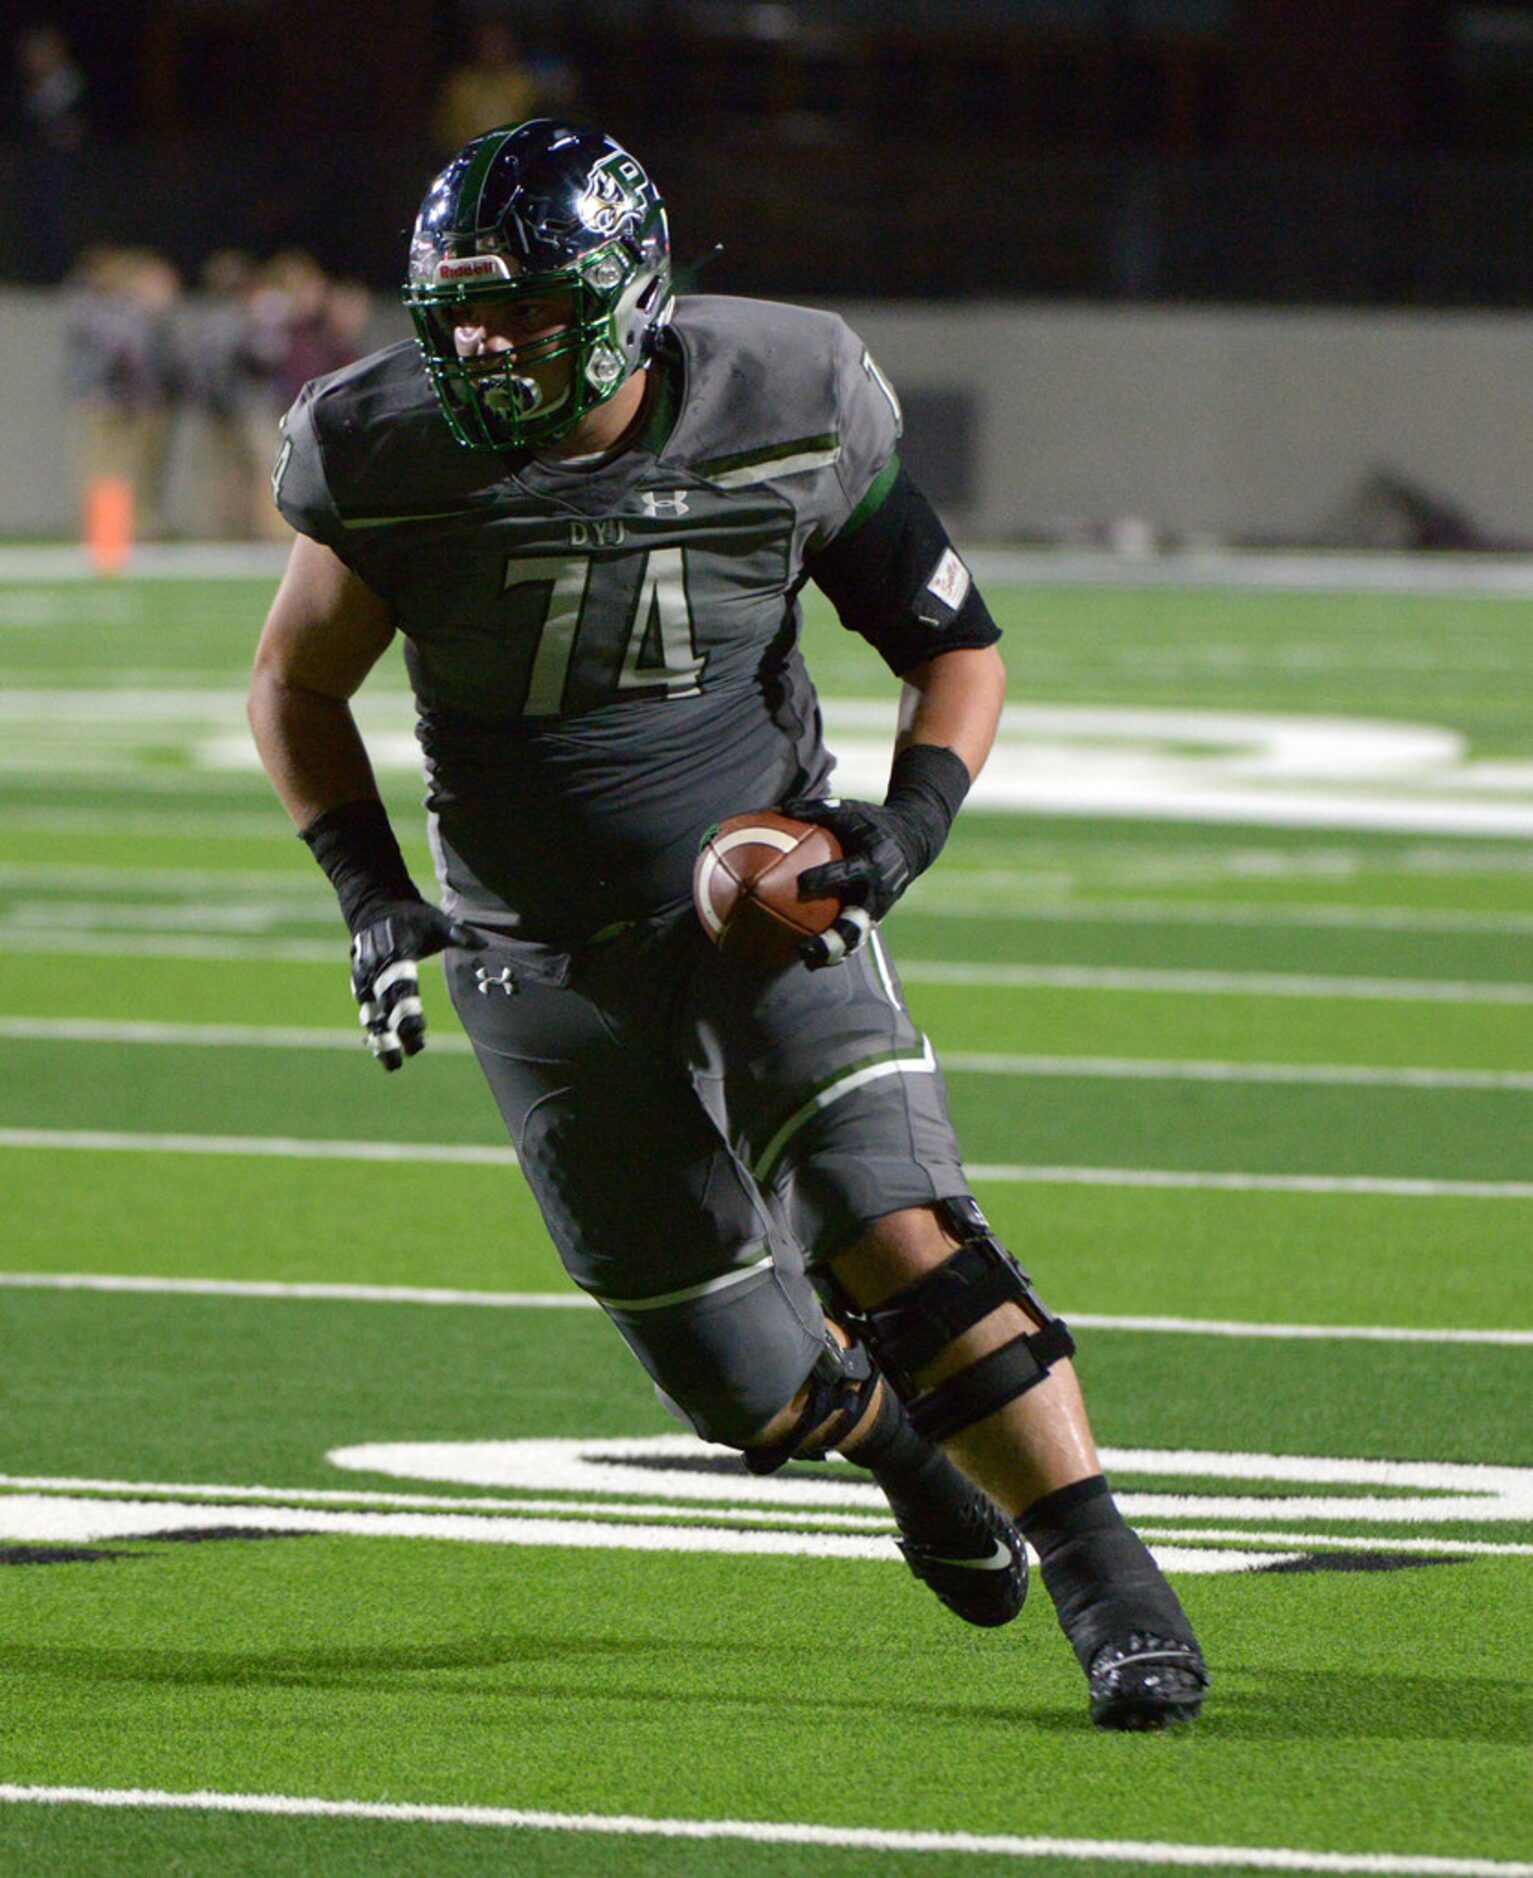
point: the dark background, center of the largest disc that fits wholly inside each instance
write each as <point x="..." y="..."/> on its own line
<point x="1360" y="152"/>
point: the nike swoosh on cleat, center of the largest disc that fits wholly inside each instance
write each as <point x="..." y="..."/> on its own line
<point x="998" y="1560"/>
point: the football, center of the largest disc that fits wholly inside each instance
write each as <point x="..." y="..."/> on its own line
<point x="745" y="886"/>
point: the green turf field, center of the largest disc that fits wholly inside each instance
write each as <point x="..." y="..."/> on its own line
<point x="337" y="1534"/>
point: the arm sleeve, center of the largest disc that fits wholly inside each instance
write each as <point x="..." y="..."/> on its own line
<point x="894" y="576"/>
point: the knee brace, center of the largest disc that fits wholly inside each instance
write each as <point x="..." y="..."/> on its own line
<point x="907" y="1331"/>
<point x="840" y="1389"/>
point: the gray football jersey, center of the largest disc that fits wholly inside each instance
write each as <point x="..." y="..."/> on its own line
<point x="605" y="659"/>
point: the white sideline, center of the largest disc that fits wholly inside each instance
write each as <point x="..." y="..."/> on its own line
<point x="977" y="1062"/>
<point x="99" y="1140"/>
<point x="578" y="1300"/>
<point x="769" y="1832"/>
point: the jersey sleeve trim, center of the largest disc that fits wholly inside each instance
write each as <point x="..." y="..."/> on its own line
<point x="777" y="459"/>
<point x="873" y="499"/>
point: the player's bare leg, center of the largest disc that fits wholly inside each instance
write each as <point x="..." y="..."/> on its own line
<point x="1037" y="1443"/>
<point x="1035" y="1456"/>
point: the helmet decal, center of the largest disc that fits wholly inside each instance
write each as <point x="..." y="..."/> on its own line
<point x="611" y="202"/>
<point x="476" y="267"/>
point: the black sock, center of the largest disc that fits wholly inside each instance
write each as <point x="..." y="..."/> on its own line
<point x="1098" y="1570"/>
<point x="923" y="1487"/>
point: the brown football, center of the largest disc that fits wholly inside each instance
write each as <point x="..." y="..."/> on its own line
<point x="745" y="886"/>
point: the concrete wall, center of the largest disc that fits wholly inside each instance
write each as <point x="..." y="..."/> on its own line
<point x="1224" y="423"/>
<point x="1207" y="423"/>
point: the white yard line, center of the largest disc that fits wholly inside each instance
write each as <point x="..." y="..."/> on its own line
<point x="120" y="946"/>
<point x="1253" y="1183"/>
<point x="1297" y="570"/>
<point x="1313" y="1541"/>
<point x="764" y="1832"/>
<point x="41" y="938"/>
<point x="944" y="899"/>
<point x="273" y="1288"/>
<point x="150" y="1492"/>
<point x="1293" y="569"/>
<point x="202" y="882"/>
<point x="153" y="824"/>
<point x="978" y="1062"/>
<point x="1002" y="896"/>
<point x="577" y="1300"/>
<point x="1215" y="984"/>
<point x="282" y="1146"/>
<point x="219" y="1036"/>
<point x="92" y="1140"/>
<point x="1157" y="1069"/>
<point x="200" y="560"/>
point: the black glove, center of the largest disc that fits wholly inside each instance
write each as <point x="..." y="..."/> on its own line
<point x="883" y="848"/>
<point x="384" y="980"/>
<point x="391" y="925"/>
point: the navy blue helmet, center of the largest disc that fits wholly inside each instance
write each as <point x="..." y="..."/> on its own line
<point x="531" y="210"/>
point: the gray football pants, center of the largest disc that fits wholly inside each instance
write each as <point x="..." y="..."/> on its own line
<point x="695" y="1134"/>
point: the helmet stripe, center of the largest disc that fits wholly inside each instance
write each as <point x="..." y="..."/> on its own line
<point x="478" y="174"/>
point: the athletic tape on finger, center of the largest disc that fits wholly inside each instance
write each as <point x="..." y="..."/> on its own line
<point x="391" y="975"/>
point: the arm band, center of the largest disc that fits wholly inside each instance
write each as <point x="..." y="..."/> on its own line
<point x="897" y="579"/>
<point x="927" y="783"/>
<point x="356" y="847"/>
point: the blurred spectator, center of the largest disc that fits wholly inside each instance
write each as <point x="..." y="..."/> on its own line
<point x="312" y="326"/>
<point x="494" y="86"/>
<point x="122" y="372"/>
<point x="51" y="126"/>
<point x="52" y="107"/>
<point x="233" y="377"/>
<point x="348" y="307"/>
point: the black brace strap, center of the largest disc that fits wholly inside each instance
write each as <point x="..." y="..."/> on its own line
<point x="969" y="1395"/>
<point x="910" y="1329"/>
<point x="841" y="1386"/>
<point x="918" y="1323"/>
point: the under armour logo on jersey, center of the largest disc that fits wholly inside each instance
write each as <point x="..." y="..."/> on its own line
<point x="503" y="980"/>
<point x="673" y="504"/>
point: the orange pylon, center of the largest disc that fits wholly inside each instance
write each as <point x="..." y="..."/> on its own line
<point x="109" y="523"/>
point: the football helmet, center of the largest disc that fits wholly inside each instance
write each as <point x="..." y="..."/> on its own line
<point x="530" y="210"/>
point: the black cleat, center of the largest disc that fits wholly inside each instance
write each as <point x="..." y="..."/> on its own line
<point x="978" y="1568"/>
<point x="1143" y="1681"/>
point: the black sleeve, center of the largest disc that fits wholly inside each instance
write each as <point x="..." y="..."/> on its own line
<point x="895" y="577"/>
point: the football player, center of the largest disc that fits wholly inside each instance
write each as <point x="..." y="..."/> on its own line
<point x="588" y="507"/>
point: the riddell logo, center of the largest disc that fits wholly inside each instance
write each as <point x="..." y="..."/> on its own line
<point x="480" y="267"/>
